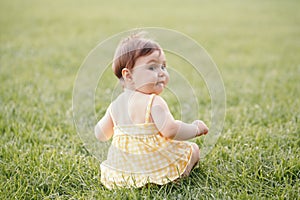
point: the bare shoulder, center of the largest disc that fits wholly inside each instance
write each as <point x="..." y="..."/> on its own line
<point x="116" y="103"/>
<point x="159" y="101"/>
<point x="120" y="99"/>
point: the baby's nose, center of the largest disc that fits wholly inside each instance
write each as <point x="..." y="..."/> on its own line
<point x="161" y="73"/>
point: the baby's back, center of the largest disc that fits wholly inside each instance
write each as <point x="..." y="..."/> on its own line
<point x="130" y="108"/>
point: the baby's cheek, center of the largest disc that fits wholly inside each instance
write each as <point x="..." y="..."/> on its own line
<point x="167" y="79"/>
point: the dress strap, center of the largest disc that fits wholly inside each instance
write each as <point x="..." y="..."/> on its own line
<point x="148" y="111"/>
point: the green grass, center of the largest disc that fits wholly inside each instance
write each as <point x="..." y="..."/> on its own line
<point x="255" y="45"/>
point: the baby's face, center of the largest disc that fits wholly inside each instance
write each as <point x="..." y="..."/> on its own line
<point x="149" y="73"/>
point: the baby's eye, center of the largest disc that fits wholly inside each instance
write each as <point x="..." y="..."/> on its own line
<point x="163" y="67"/>
<point x="151" y="67"/>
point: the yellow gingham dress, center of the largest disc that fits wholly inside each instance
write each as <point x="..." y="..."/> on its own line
<point x="139" y="154"/>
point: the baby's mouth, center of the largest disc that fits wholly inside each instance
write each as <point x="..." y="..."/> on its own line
<point x="160" y="83"/>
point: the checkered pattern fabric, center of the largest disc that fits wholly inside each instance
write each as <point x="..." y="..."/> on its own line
<point x="139" y="154"/>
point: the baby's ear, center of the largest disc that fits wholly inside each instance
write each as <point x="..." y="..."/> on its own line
<point x="126" y="74"/>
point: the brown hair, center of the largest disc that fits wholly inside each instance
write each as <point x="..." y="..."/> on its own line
<point x="130" y="49"/>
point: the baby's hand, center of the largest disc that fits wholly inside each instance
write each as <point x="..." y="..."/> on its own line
<point x="202" y="128"/>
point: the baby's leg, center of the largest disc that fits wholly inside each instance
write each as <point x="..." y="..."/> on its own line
<point x="194" y="160"/>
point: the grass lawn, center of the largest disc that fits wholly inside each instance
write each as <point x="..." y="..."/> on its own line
<point x="255" y="45"/>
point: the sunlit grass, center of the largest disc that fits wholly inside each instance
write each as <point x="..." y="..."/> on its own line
<point x="255" y="45"/>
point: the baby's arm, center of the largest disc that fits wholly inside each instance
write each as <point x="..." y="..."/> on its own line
<point x="171" y="128"/>
<point x="104" y="128"/>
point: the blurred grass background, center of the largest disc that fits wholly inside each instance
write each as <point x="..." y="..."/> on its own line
<point x="255" y="45"/>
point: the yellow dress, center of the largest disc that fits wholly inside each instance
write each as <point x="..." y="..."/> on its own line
<point x="139" y="154"/>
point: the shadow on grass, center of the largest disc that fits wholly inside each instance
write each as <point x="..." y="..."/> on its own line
<point x="191" y="187"/>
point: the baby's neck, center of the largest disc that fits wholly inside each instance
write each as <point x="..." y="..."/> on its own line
<point x="130" y="91"/>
